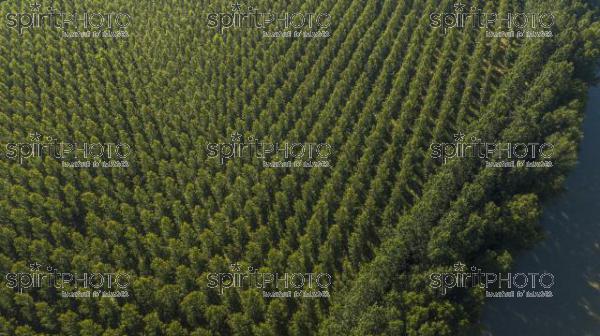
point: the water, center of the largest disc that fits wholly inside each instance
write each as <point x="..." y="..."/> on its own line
<point x="570" y="250"/>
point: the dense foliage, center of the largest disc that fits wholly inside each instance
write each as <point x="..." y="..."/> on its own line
<point x="380" y="89"/>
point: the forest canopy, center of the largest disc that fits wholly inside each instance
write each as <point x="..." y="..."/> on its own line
<point x="148" y="155"/>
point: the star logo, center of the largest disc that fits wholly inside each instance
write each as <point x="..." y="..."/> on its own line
<point x="459" y="137"/>
<point x="236" y="7"/>
<point x="459" y="7"/>
<point x="35" y="137"/>
<point x="236" y="137"/>
<point x="35" y="6"/>
<point x="35" y="266"/>
<point x="459" y="267"/>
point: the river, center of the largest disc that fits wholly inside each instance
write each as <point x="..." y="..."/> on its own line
<point x="570" y="250"/>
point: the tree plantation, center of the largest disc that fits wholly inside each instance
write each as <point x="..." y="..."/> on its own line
<point x="276" y="171"/>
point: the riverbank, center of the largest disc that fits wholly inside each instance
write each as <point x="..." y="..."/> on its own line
<point x="570" y="250"/>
